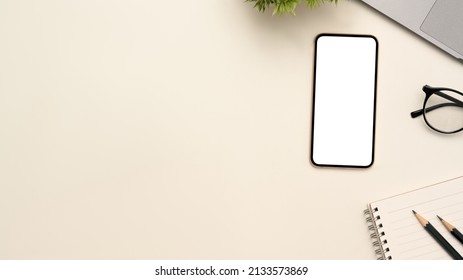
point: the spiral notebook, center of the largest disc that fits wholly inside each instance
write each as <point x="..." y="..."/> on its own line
<point x="397" y="234"/>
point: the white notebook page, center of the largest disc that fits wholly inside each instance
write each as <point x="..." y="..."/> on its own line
<point x="406" y="237"/>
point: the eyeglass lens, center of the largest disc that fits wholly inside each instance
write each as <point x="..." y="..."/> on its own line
<point x="444" y="111"/>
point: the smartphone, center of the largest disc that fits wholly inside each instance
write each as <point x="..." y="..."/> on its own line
<point x="344" y="100"/>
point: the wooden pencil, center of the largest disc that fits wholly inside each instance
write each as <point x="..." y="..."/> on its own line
<point x="453" y="230"/>
<point x="438" y="237"/>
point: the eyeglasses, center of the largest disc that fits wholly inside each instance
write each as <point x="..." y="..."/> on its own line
<point x="442" y="109"/>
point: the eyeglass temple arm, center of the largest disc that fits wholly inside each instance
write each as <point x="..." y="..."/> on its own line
<point x="457" y="102"/>
<point x="417" y="113"/>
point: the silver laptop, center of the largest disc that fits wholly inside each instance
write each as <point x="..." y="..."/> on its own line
<point x="438" y="21"/>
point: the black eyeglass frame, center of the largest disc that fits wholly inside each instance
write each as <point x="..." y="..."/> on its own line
<point x="429" y="91"/>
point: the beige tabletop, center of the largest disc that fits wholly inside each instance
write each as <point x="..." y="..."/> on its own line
<point x="181" y="130"/>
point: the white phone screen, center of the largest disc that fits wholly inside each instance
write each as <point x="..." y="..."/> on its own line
<point x="343" y="121"/>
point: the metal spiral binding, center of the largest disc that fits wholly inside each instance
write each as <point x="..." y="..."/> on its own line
<point x="372" y="216"/>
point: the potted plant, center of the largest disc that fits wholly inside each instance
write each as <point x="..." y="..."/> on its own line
<point x="285" y="6"/>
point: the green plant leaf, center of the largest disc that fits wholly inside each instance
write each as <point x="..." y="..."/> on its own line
<point x="281" y="7"/>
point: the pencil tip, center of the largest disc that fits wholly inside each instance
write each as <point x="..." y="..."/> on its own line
<point x="439" y="218"/>
<point x="413" y="211"/>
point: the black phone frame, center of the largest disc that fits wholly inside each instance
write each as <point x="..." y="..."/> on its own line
<point x="374" y="100"/>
